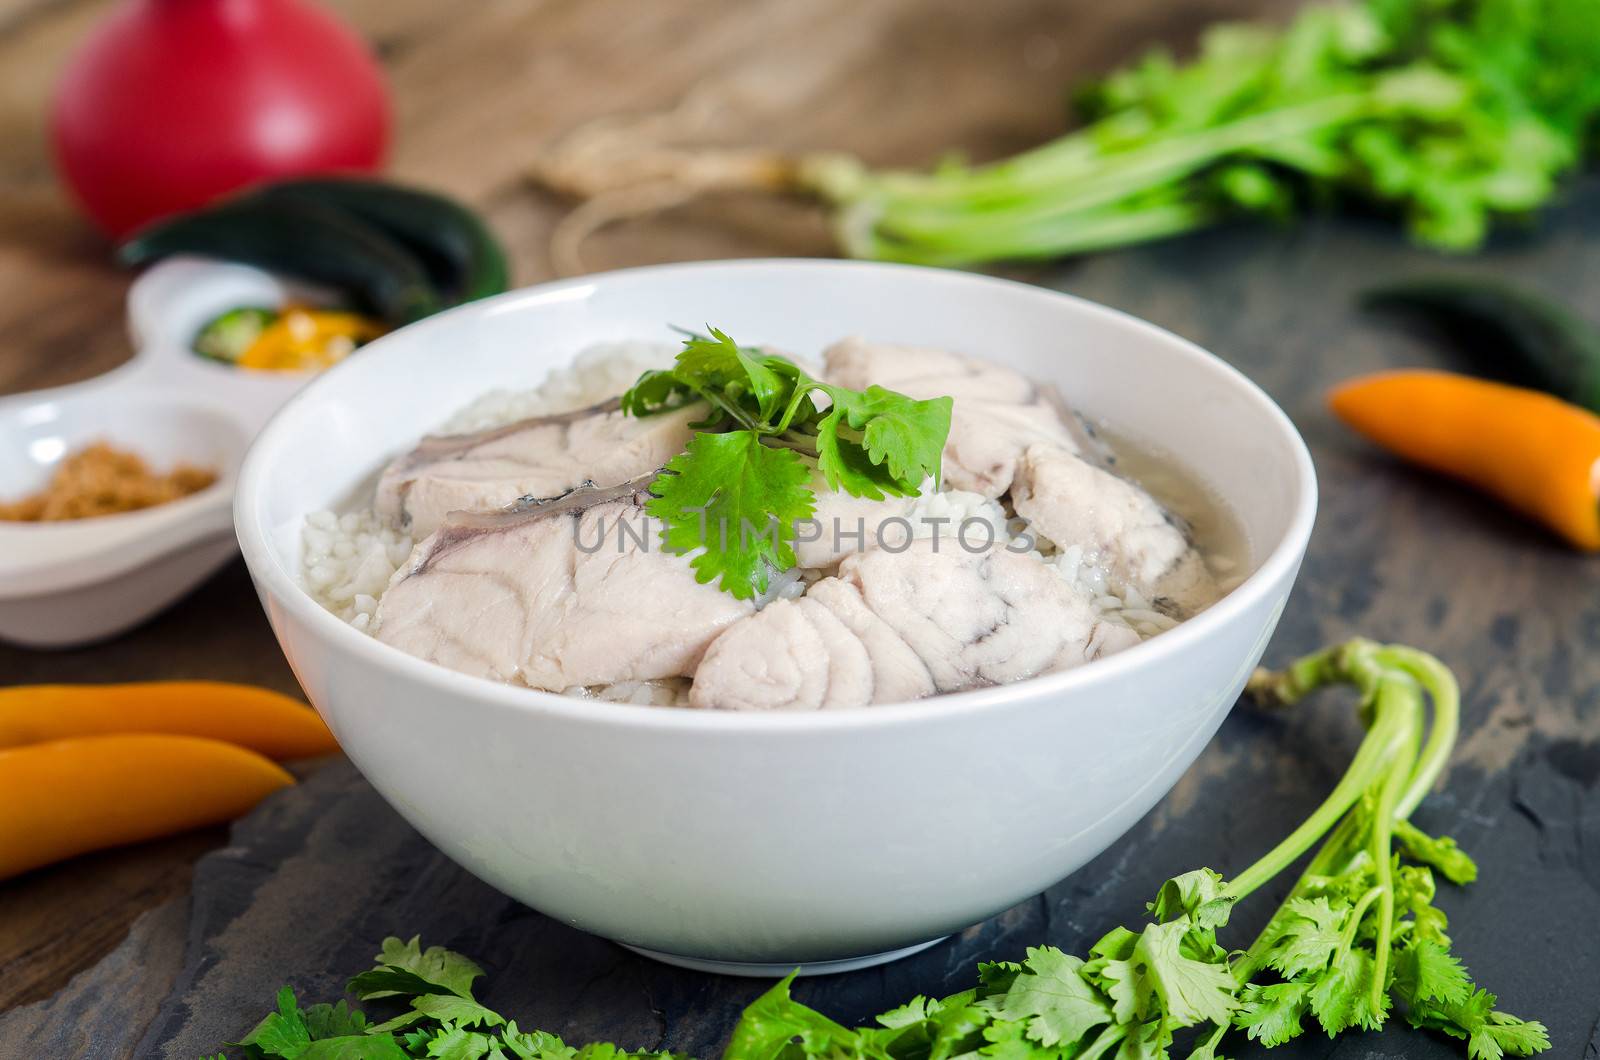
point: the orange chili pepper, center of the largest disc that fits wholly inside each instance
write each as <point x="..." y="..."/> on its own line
<point x="263" y="721"/>
<point x="68" y="797"/>
<point x="1536" y="453"/>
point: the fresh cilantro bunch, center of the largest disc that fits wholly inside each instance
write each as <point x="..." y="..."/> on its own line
<point x="738" y="491"/>
<point x="1447" y="113"/>
<point x="1357" y="941"/>
<point x="441" y="1020"/>
<point x="1357" y="938"/>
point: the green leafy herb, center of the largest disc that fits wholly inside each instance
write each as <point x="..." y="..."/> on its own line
<point x="1356" y="939"/>
<point x="1449" y="114"/>
<point x="733" y="498"/>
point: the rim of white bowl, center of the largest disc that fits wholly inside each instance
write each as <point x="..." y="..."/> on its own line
<point x="284" y="586"/>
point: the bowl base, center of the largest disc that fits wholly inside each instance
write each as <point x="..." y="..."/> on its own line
<point x="779" y="969"/>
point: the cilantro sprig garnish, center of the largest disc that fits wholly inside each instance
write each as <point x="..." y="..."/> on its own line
<point x="1356" y="942"/>
<point x="735" y="495"/>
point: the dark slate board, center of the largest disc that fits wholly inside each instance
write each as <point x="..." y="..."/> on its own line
<point x="318" y="876"/>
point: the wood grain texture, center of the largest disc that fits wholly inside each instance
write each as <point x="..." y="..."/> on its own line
<point x="318" y="876"/>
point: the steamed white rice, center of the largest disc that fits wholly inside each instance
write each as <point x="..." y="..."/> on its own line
<point x="349" y="558"/>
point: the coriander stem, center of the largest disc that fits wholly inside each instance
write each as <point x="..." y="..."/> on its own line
<point x="1072" y="234"/>
<point x="1347" y="937"/>
<point x="1445" y="696"/>
<point x="1409" y="699"/>
<point x="1385" y="738"/>
<point x="1042" y="171"/>
<point x="1106" y="1040"/>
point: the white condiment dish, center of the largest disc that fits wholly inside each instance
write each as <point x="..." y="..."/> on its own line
<point x="754" y="843"/>
<point x="73" y="582"/>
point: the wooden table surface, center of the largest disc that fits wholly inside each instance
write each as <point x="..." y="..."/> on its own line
<point x="482" y="88"/>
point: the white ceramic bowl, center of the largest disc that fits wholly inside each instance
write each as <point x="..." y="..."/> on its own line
<point x="749" y="842"/>
<point x="69" y="583"/>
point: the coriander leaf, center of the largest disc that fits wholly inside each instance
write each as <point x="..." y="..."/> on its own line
<point x="453" y="1043"/>
<point x="916" y="1010"/>
<point x="1272" y="1014"/>
<point x="1490" y="1034"/>
<point x="736" y="500"/>
<point x="1511" y="1035"/>
<point x="1052" y="997"/>
<point x="846" y="465"/>
<point x="657" y="391"/>
<point x="1159" y="978"/>
<point x="1426" y="971"/>
<point x="774" y="1020"/>
<point x="1342" y="997"/>
<point x="405" y="968"/>
<point x="955" y="1024"/>
<point x="1197" y="894"/>
<point x="1309" y="931"/>
<point x="1459" y="1020"/>
<point x="903" y="435"/>
<point x="1127" y="988"/>
<point x="355" y="1047"/>
<point x="334" y="1021"/>
<point x="456" y="1011"/>
<point x="1117" y="944"/>
<point x="996" y="977"/>
<point x="400" y="1022"/>
<point x="1441" y="853"/>
<point x="282" y="1033"/>
<point x="1010" y="1041"/>
<point x="719" y="363"/>
<point x="535" y="1045"/>
<point x="1147" y="1041"/>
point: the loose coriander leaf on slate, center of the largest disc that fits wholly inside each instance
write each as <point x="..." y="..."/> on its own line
<point x="1342" y="996"/>
<point x="996" y="977"/>
<point x="454" y="1043"/>
<point x="1147" y="1041"/>
<point x="1426" y="971"/>
<point x="1272" y="1014"/>
<point x="458" y="1011"/>
<point x="1512" y="1036"/>
<point x="916" y="1010"/>
<point x="535" y="1045"/>
<point x="1159" y="978"/>
<point x="1052" y="998"/>
<point x="1198" y="894"/>
<point x="333" y="1021"/>
<point x="355" y="1047"/>
<point x="282" y="1033"/>
<point x="1442" y="853"/>
<point x="774" y="1020"/>
<point x="404" y="968"/>
<point x="1010" y="1041"/>
<point x="738" y="501"/>
<point x="1308" y="934"/>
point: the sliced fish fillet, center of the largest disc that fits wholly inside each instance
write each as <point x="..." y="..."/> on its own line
<point x="572" y="591"/>
<point x="899" y="625"/>
<point x="997" y="414"/>
<point x="541" y="457"/>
